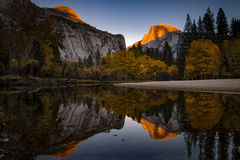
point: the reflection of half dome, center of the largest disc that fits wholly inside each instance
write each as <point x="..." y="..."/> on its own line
<point x="157" y="132"/>
<point x="69" y="148"/>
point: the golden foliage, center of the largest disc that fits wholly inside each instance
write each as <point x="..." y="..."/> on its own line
<point x="142" y="67"/>
<point x="48" y="66"/>
<point x="204" y="60"/>
<point x="14" y="66"/>
<point x="173" y="71"/>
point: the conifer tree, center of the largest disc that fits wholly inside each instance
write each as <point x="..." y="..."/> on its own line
<point x="85" y="62"/>
<point x="188" y="24"/>
<point x="167" y="56"/>
<point x="103" y="61"/>
<point x="200" y="25"/>
<point x="180" y="62"/>
<point x="208" y="22"/>
<point x="90" y="61"/>
<point x="139" y="46"/>
<point x="98" y="58"/>
<point x="235" y="27"/>
<point x="194" y="27"/>
<point x="194" y="30"/>
<point x="80" y="62"/>
<point x="222" y="24"/>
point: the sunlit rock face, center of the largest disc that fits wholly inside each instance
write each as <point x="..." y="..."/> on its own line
<point x="159" y="34"/>
<point x="81" y="121"/>
<point x="70" y="13"/>
<point x="159" y="128"/>
<point x="81" y="39"/>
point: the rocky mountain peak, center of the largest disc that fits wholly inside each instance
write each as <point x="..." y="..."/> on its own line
<point x="71" y="14"/>
<point x="158" y="31"/>
<point x="158" y="35"/>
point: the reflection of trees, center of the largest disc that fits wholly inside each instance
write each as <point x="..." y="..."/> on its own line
<point x="205" y="110"/>
<point x="133" y="102"/>
<point x="29" y="121"/>
<point x="212" y="125"/>
<point x="223" y="145"/>
<point x="236" y="145"/>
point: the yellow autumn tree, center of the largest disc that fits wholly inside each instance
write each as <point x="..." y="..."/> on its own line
<point x="128" y="66"/>
<point x="204" y="60"/>
<point x="173" y="71"/>
<point x="124" y="60"/>
<point x="14" y="66"/>
<point x="48" y="65"/>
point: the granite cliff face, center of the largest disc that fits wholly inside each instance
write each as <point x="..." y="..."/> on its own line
<point x="81" y="39"/>
<point x="159" y="34"/>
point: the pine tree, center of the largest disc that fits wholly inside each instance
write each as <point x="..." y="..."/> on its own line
<point x="85" y="62"/>
<point x="180" y="62"/>
<point x="188" y="24"/>
<point x="194" y="30"/>
<point x="103" y="61"/>
<point x="90" y="61"/>
<point x="98" y="58"/>
<point x="208" y="22"/>
<point x="167" y="56"/>
<point x="139" y="46"/>
<point x="222" y="24"/>
<point x="109" y="52"/>
<point x="235" y="27"/>
<point x="194" y="27"/>
<point x="80" y="62"/>
<point x="200" y="25"/>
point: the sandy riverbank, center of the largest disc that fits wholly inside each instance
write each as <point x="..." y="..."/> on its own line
<point x="221" y="85"/>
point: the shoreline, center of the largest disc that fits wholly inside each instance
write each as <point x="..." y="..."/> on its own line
<point x="35" y="82"/>
<point x="215" y="85"/>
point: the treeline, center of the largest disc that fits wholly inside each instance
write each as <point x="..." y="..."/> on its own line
<point x="122" y="65"/>
<point x="211" y="47"/>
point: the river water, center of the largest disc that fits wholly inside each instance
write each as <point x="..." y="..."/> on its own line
<point x="106" y="122"/>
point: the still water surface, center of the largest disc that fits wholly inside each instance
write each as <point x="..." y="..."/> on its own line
<point x="104" y="122"/>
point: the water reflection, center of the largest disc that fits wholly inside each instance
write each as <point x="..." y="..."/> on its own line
<point x="54" y="122"/>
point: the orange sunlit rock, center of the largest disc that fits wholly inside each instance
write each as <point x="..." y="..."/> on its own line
<point x="157" y="132"/>
<point x="156" y="32"/>
<point x="68" y="150"/>
<point x="70" y="12"/>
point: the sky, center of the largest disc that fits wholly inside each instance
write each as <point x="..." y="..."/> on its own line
<point x="133" y="18"/>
